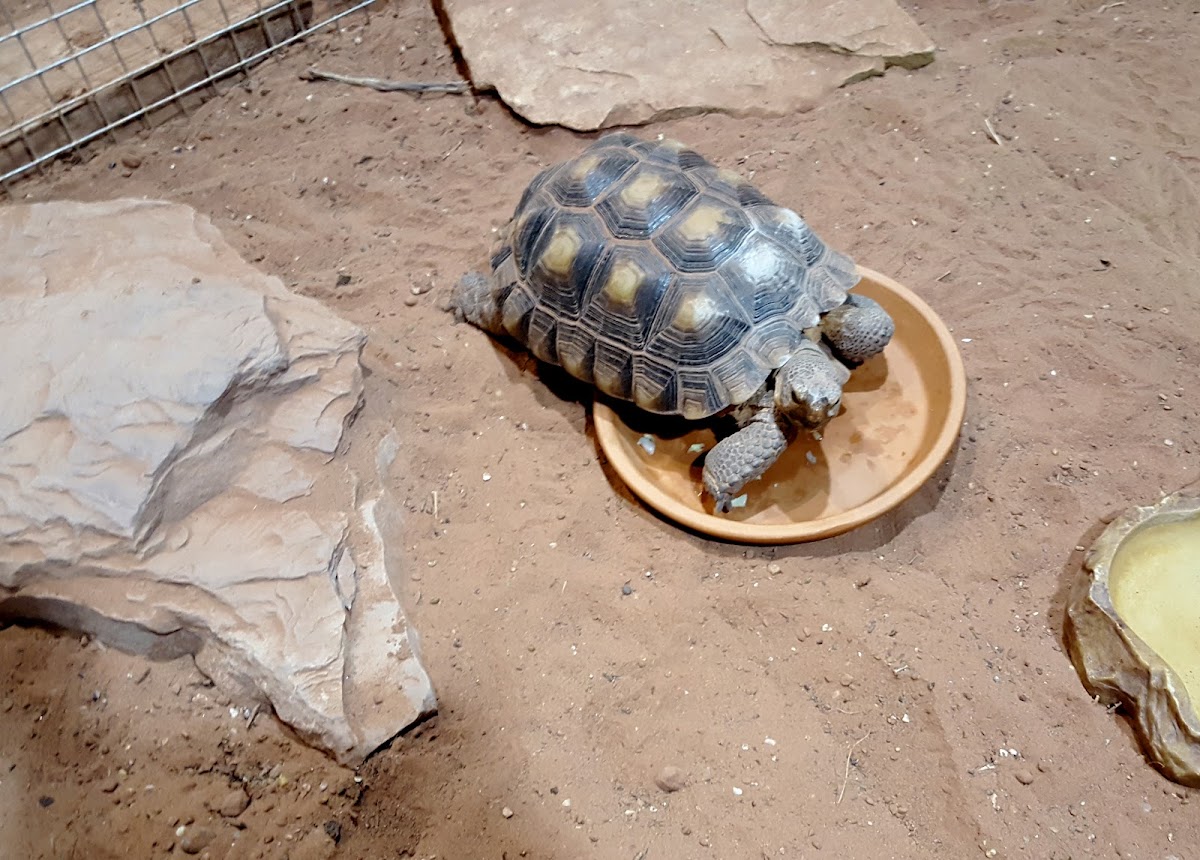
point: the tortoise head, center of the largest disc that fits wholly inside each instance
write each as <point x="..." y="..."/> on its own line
<point x="808" y="388"/>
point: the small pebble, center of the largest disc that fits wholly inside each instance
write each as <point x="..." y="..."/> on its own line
<point x="670" y="779"/>
<point x="774" y="569"/>
<point x="506" y="812"/>
<point x="196" y="840"/>
<point x="234" y="803"/>
<point x="627" y="590"/>
<point x="846" y="680"/>
<point x="317" y="844"/>
<point x="410" y="301"/>
<point x="1024" y="777"/>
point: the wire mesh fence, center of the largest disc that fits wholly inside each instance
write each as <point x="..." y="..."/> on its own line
<point x="75" y="71"/>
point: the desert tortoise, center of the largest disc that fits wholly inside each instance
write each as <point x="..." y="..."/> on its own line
<point x="642" y="268"/>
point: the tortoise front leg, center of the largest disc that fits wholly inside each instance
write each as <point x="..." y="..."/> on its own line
<point x="746" y="454"/>
<point x="858" y="329"/>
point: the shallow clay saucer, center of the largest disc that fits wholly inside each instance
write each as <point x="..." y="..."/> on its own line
<point x="901" y="414"/>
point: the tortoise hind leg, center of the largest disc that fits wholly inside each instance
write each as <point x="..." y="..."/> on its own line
<point x="475" y="300"/>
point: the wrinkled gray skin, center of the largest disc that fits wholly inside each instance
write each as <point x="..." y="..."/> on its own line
<point x="805" y="393"/>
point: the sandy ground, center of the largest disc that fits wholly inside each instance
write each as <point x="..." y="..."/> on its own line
<point x="900" y="691"/>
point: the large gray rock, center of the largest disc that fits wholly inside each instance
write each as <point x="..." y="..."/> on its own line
<point x="625" y="62"/>
<point x="173" y="468"/>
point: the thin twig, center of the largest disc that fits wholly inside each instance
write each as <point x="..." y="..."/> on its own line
<point x="846" y="775"/>
<point x="987" y="123"/>
<point x="1108" y="6"/>
<point x="385" y="86"/>
<point x="253" y="714"/>
<point x="435" y="519"/>
<point x="942" y="277"/>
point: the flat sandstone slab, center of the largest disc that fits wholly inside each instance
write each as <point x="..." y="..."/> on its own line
<point x="174" y="475"/>
<point x="628" y="62"/>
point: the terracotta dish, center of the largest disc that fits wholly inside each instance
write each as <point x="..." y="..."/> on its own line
<point x="1131" y="628"/>
<point x="901" y="414"/>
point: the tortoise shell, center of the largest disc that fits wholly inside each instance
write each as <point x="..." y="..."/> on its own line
<point x="642" y="268"/>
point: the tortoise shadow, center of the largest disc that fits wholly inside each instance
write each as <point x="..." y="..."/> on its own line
<point x="559" y="391"/>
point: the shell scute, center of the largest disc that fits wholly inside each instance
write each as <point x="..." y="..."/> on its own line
<point x="642" y="268"/>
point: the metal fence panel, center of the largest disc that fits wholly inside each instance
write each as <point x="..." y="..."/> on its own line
<point x="75" y="71"/>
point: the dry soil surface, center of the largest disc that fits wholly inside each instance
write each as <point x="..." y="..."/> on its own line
<point x="901" y="691"/>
